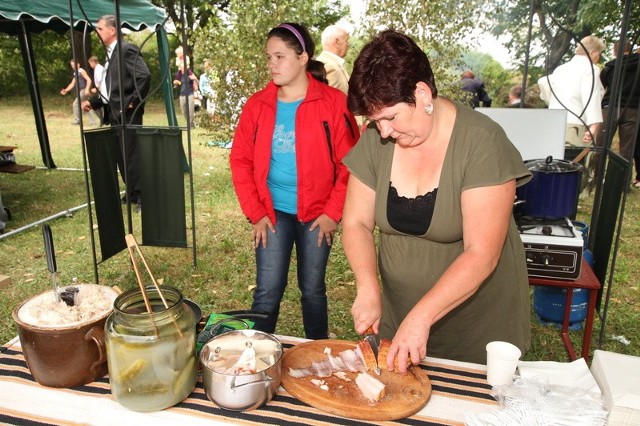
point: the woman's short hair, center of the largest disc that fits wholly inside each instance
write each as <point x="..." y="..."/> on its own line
<point x="386" y="73"/>
<point x="290" y="38"/>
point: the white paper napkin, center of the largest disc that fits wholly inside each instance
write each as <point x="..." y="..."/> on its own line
<point x="570" y="374"/>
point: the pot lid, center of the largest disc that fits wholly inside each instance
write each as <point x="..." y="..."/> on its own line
<point x="550" y="165"/>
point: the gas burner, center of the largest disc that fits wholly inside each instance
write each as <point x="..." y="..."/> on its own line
<point x="561" y="227"/>
<point x="553" y="247"/>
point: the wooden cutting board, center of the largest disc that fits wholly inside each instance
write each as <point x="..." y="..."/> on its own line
<point x="405" y="395"/>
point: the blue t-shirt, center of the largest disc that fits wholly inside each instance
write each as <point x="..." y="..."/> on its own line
<point x="283" y="171"/>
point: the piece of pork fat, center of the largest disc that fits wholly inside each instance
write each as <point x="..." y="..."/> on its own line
<point x="371" y="388"/>
<point x="346" y="360"/>
<point x="352" y="361"/>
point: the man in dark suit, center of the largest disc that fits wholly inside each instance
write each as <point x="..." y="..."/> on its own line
<point x="135" y="87"/>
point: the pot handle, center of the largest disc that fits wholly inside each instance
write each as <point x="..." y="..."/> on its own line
<point x="97" y="335"/>
<point x="264" y="381"/>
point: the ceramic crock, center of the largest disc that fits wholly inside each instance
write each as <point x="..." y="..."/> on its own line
<point x="64" y="357"/>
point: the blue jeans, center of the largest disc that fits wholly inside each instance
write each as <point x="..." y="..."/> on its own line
<point x="273" y="267"/>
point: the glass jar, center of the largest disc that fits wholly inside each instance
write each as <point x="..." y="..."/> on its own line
<point x="151" y="357"/>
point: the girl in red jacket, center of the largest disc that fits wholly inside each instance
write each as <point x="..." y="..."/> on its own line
<point x="286" y="163"/>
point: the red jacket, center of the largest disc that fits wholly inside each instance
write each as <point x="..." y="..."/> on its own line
<point x="325" y="132"/>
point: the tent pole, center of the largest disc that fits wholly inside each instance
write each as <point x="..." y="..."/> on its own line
<point x="74" y="53"/>
<point x="189" y="153"/>
<point x="525" y="70"/>
<point x="165" y="72"/>
<point x="28" y="60"/>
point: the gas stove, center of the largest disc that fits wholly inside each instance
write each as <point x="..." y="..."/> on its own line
<point x="553" y="247"/>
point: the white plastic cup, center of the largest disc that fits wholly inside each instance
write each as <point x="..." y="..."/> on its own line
<point x="502" y="360"/>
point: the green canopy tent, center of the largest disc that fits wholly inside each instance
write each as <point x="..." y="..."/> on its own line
<point x="161" y="226"/>
<point x="25" y="17"/>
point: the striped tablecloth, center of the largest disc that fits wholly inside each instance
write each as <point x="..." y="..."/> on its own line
<point x="458" y="389"/>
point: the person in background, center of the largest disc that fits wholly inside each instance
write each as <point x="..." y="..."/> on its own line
<point x="515" y="97"/>
<point x="476" y="88"/>
<point x="287" y="171"/>
<point x="206" y="89"/>
<point x="335" y="43"/>
<point x="83" y="80"/>
<point x="181" y="58"/>
<point x="98" y="79"/>
<point x="438" y="180"/>
<point x="625" y="111"/>
<point x="575" y="87"/>
<point x="185" y="81"/>
<point x="136" y="80"/>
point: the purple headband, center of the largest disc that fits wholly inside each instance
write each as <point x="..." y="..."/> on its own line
<point x="295" y="33"/>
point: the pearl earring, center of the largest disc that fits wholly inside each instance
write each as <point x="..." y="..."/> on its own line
<point x="429" y="109"/>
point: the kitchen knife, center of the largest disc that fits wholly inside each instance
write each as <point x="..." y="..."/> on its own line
<point x="49" y="251"/>
<point x="374" y="342"/>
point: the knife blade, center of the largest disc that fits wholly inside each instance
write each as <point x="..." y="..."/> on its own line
<point x="374" y="342"/>
<point x="49" y="252"/>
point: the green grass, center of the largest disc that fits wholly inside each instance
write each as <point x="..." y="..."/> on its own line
<point x="224" y="275"/>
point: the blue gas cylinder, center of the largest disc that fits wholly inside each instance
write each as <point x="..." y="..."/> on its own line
<point x="549" y="303"/>
<point x="588" y="257"/>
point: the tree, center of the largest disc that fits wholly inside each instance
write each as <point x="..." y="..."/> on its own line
<point x="558" y="25"/>
<point x="440" y="28"/>
<point x="196" y="14"/>
<point x="235" y="42"/>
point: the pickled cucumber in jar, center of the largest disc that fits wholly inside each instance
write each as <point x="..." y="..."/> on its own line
<point x="151" y="357"/>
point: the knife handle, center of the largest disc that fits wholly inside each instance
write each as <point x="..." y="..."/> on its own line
<point x="369" y="330"/>
<point x="49" y="250"/>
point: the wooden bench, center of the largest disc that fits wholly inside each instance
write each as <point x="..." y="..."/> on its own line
<point x="13" y="168"/>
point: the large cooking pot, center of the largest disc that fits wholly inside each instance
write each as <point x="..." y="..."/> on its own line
<point x="553" y="190"/>
<point x="248" y="389"/>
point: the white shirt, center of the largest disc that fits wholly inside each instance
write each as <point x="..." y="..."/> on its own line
<point x="575" y="88"/>
<point x="103" y="89"/>
<point x="98" y="76"/>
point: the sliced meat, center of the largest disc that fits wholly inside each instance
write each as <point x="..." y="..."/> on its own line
<point x="371" y="388"/>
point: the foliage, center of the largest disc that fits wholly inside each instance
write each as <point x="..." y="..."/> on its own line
<point x="197" y="14"/>
<point x="237" y="49"/>
<point x="51" y="51"/>
<point x="497" y="80"/>
<point x="439" y="28"/>
<point x="558" y="25"/>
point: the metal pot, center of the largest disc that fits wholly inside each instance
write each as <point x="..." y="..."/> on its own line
<point x="239" y="391"/>
<point x="553" y="190"/>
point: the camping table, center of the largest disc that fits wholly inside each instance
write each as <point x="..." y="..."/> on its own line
<point x="458" y="389"/>
<point x="13" y="168"/>
<point x="587" y="280"/>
